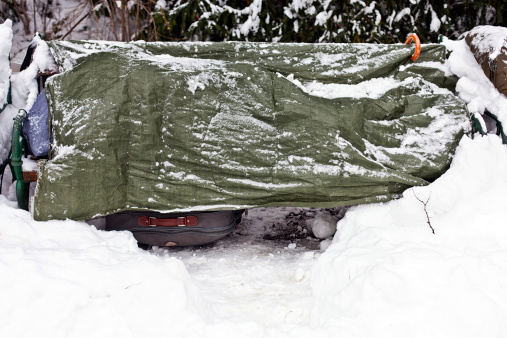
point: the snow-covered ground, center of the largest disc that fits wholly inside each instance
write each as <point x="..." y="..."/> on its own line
<point x="385" y="274"/>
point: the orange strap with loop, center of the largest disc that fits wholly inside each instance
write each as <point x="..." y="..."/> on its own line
<point x="415" y="38"/>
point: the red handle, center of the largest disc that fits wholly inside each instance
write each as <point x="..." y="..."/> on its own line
<point x="167" y="222"/>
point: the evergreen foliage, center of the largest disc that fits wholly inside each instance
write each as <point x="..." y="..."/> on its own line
<point x="383" y="21"/>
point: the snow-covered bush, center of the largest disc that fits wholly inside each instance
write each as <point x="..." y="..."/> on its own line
<point x="382" y="21"/>
<point x="321" y="20"/>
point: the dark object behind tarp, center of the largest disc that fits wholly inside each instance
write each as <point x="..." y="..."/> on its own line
<point x="180" y="229"/>
<point x="489" y="46"/>
<point x="35" y="126"/>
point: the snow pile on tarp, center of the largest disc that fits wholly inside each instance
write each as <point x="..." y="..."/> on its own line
<point x="210" y="126"/>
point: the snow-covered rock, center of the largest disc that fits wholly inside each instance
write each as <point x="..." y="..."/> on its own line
<point x="323" y="225"/>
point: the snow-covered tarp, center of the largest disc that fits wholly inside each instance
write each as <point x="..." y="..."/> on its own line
<point x="209" y="126"/>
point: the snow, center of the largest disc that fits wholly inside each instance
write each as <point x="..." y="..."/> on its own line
<point x="401" y="14"/>
<point x="24" y="85"/>
<point x="29" y="164"/>
<point x="8" y="113"/>
<point x="473" y="86"/>
<point x="5" y="69"/>
<point x="322" y="17"/>
<point x="435" y="22"/>
<point x="450" y="284"/>
<point x="161" y="4"/>
<point x="253" y="21"/>
<point x="495" y="38"/>
<point x="266" y="186"/>
<point x="384" y="274"/>
<point x="373" y="88"/>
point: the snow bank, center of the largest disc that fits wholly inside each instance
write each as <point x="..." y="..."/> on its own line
<point x="66" y="279"/>
<point x="387" y="275"/>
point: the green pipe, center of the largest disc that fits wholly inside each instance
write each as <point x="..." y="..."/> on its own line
<point x="16" y="162"/>
<point x="499" y="126"/>
<point x="476" y="126"/>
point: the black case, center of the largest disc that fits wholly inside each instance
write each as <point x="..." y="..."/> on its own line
<point x="175" y="229"/>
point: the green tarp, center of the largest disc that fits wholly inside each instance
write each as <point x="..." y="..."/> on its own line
<point x="214" y="126"/>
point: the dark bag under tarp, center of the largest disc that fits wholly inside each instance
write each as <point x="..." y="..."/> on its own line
<point x="182" y="127"/>
<point x="179" y="229"/>
<point x="35" y="127"/>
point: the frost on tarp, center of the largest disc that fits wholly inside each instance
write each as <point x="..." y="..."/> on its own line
<point x="209" y="126"/>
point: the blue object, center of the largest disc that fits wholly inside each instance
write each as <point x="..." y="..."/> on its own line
<point x="35" y="126"/>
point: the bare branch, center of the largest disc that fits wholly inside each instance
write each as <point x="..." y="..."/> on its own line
<point x="22" y="13"/>
<point x="425" y="211"/>
<point x="34" y="17"/>
<point x="76" y="24"/>
<point x="112" y="16"/>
